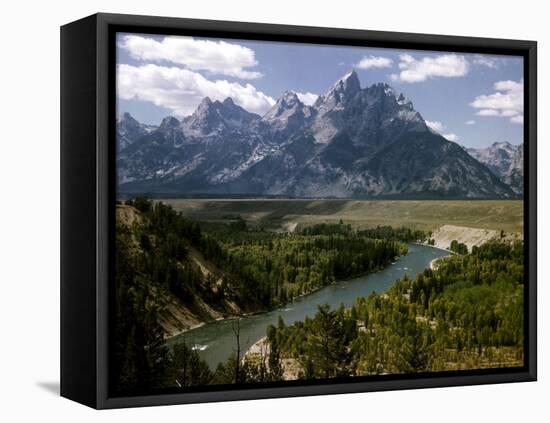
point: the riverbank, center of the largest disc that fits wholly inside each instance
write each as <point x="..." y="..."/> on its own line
<point x="195" y="325"/>
<point x="471" y="237"/>
<point x="259" y="352"/>
<point x="218" y="338"/>
<point x="434" y="262"/>
<point x="434" y="246"/>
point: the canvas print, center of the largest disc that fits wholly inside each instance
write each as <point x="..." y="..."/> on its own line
<point x="290" y="212"/>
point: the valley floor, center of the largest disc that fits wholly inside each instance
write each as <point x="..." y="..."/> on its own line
<point x="428" y="215"/>
<point x="471" y="222"/>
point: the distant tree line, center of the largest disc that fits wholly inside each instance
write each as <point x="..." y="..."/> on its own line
<point x="380" y="232"/>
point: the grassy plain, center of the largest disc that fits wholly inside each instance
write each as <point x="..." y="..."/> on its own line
<point x="285" y="214"/>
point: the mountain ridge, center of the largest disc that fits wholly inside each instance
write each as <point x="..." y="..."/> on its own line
<point x="505" y="160"/>
<point x="352" y="142"/>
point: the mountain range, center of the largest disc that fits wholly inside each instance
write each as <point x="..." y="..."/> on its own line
<point x="353" y="142"/>
<point x="128" y="130"/>
<point x="505" y="160"/>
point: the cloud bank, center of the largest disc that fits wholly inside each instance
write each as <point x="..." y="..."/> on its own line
<point x="438" y="127"/>
<point x="451" y="137"/>
<point x="486" y="61"/>
<point x="435" y="125"/>
<point x="307" y="98"/>
<point x="218" y="57"/>
<point x="506" y="101"/>
<point x="181" y="90"/>
<point x="419" y="70"/>
<point x="369" y="62"/>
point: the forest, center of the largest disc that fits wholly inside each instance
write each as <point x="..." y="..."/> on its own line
<point x="257" y="270"/>
<point x="465" y="314"/>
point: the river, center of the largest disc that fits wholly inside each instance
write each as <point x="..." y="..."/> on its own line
<point x="215" y="341"/>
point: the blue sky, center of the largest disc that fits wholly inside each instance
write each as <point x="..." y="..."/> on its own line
<point x="472" y="99"/>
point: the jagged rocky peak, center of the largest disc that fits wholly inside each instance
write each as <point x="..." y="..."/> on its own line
<point x="228" y="102"/>
<point x="207" y="106"/>
<point x="204" y="105"/>
<point x="505" y="160"/>
<point x="340" y="93"/>
<point x="170" y="127"/>
<point x="169" y="122"/>
<point x="288" y="101"/>
<point x="289" y="98"/>
<point x="347" y="85"/>
<point x="288" y="113"/>
<point x="214" y="117"/>
<point x="498" y="154"/>
<point x="126" y="117"/>
<point x="361" y="113"/>
<point x="393" y="105"/>
<point x="404" y="101"/>
<point x="353" y="142"/>
<point x="128" y="122"/>
<point x="384" y="90"/>
<point x="129" y="130"/>
<point x="504" y="146"/>
<point x="227" y="105"/>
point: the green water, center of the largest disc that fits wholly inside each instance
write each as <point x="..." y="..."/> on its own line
<point x="215" y="341"/>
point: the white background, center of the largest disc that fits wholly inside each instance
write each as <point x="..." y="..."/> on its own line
<point x="29" y="181"/>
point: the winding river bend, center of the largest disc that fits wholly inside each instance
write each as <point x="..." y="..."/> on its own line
<point x="215" y="341"/>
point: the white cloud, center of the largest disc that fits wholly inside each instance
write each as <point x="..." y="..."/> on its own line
<point x="508" y="113"/>
<point x="488" y="112"/>
<point x="435" y="125"/>
<point x="444" y="66"/>
<point x="307" y="98"/>
<point x="485" y="61"/>
<point x="181" y="90"/>
<point x="218" y="57"/>
<point x="509" y="86"/>
<point x="374" y="62"/>
<point x="439" y="127"/>
<point x="470" y="122"/>
<point x="451" y="137"/>
<point x="506" y="101"/>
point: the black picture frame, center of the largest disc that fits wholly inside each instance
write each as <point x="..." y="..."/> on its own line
<point x="88" y="196"/>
